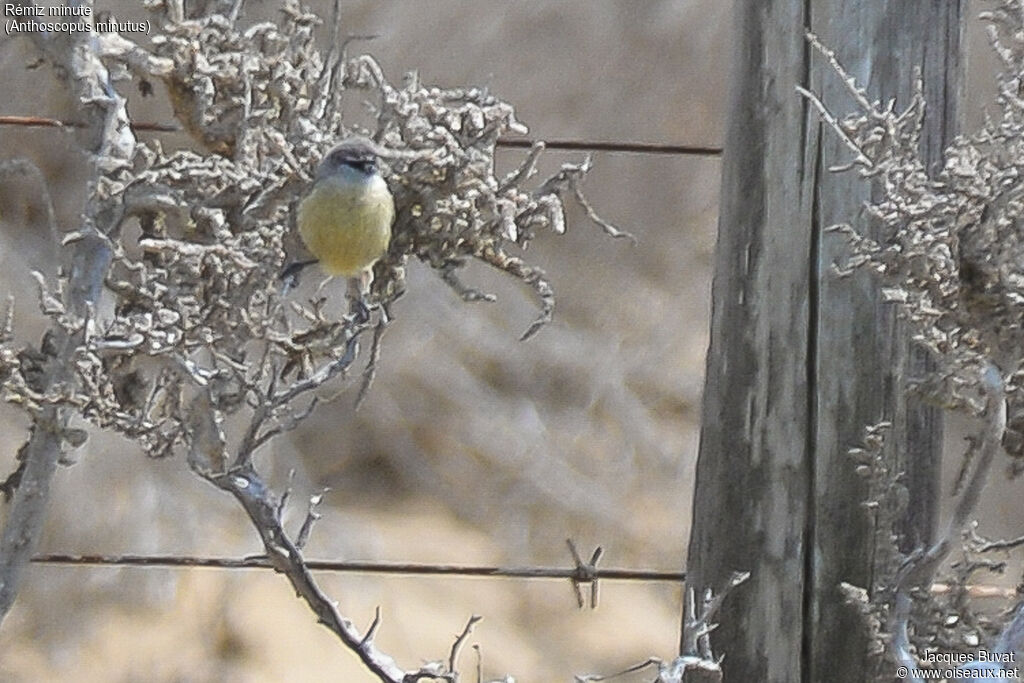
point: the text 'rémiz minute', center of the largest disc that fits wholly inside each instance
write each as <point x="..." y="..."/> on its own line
<point x="60" y="11"/>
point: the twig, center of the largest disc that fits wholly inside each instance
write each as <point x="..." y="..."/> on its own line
<point x="697" y="627"/>
<point x="596" y="218"/>
<point x="983" y="545"/>
<point x="525" y="169"/>
<point x="460" y="640"/>
<point x="236" y="9"/>
<point x="370" y="372"/>
<point x="311" y="518"/>
<point x="589" y="678"/>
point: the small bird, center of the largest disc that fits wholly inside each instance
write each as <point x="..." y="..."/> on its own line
<point x="345" y="220"/>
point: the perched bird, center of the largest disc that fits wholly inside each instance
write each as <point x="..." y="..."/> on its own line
<point x="345" y="220"/>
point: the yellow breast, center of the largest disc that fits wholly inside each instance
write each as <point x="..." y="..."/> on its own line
<point x="347" y="226"/>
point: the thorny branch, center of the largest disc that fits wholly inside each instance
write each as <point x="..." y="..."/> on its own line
<point x="247" y="487"/>
<point x="202" y="330"/>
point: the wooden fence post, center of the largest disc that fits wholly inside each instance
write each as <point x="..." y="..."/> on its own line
<point x="799" y="361"/>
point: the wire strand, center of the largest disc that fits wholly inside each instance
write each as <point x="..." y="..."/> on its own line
<point x="399" y="568"/>
<point x="509" y="143"/>
<point x="413" y="569"/>
<point x="616" y="146"/>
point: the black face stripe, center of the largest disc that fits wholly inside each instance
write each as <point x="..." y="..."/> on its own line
<point x="362" y="165"/>
<point x="361" y="162"/>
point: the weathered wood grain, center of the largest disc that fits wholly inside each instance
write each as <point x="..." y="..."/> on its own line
<point x="799" y="361"/>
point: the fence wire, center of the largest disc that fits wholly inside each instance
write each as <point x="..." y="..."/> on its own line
<point x="511" y="143"/>
<point x="357" y="567"/>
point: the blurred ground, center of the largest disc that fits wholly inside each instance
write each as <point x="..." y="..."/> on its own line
<point x="472" y="447"/>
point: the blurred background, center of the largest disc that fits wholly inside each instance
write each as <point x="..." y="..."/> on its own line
<point x="471" y="448"/>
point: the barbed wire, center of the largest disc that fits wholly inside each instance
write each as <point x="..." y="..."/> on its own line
<point x="584" y="573"/>
<point x="511" y="143"/>
<point x="357" y="567"/>
<point x="424" y="569"/>
<point x="614" y="146"/>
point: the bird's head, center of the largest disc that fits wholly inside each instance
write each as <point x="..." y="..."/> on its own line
<point x="353" y="158"/>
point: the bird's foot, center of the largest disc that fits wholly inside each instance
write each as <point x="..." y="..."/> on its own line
<point x="359" y="309"/>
